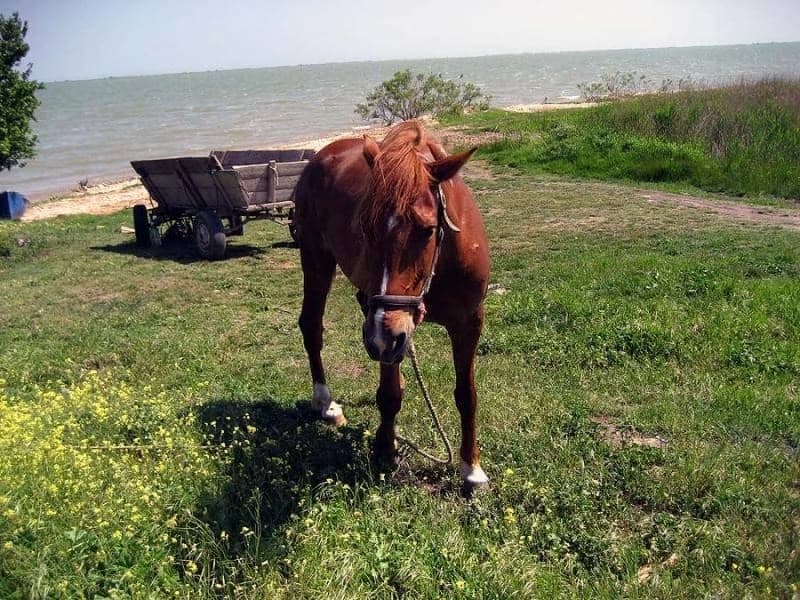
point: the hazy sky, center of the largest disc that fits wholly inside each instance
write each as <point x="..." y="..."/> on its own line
<point x="73" y="39"/>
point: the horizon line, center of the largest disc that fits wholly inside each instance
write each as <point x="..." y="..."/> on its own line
<point x="384" y="60"/>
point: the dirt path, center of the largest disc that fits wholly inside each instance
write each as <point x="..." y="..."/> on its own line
<point x="736" y="211"/>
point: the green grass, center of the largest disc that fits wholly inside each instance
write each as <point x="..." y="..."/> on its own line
<point x="156" y="437"/>
<point x="741" y="139"/>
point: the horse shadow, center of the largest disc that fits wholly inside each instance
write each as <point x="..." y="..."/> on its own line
<point x="182" y="252"/>
<point x="276" y="456"/>
<point x="285" y="244"/>
<point x="279" y="457"/>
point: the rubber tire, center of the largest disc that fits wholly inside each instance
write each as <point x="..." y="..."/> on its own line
<point x="155" y="237"/>
<point x="209" y="235"/>
<point x="141" y="225"/>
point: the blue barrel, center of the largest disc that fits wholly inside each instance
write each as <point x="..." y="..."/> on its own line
<point x="12" y="205"/>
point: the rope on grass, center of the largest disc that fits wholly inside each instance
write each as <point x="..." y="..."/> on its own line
<point x="412" y="353"/>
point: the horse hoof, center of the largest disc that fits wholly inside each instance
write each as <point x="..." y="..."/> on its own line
<point x="330" y="410"/>
<point x="385" y="459"/>
<point x="385" y="463"/>
<point x="475" y="478"/>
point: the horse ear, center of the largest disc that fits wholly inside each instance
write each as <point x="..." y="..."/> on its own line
<point x="371" y="150"/>
<point x="444" y="169"/>
<point x="437" y="150"/>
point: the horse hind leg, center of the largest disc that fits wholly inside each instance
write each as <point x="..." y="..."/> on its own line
<point x="318" y="272"/>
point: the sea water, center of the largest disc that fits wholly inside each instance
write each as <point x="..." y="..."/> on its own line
<point x="92" y="129"/>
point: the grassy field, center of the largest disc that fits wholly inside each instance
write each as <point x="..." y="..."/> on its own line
<point x="639" y="416"/>
<point x="742" y="139"/>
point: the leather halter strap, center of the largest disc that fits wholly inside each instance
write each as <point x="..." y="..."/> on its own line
<point x="416" y="303"/>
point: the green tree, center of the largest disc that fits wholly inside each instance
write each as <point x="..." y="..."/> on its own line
<point x="18" y="100"/>
<point x="408" y="96"/>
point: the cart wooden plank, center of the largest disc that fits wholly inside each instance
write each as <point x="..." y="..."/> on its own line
<point x="287" y="183"/>
<point x="231" y="189"/>
<point x="232" y="158"/>
<point x="171" y="191"/>
<point x="290" y="169"/>
<point x="259" y="182"/>
<point x="258" y="198"/>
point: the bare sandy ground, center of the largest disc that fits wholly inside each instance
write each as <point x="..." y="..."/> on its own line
<point x="102" y="199"/>
<point x="549" y="106"/>
<point x="735" y="211"/>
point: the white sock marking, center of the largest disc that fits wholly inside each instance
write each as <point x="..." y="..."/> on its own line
<point x="473" y="474"/>
<point x="323" y="402"/>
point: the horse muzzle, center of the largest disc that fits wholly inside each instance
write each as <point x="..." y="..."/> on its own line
<point x="388" y="349"/>
<point x="390" y="323"/>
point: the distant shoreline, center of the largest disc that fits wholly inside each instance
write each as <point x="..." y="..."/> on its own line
<point x="424" y="58"/>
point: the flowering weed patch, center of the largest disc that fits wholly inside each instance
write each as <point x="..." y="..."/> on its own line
<point x="93" y="479"/>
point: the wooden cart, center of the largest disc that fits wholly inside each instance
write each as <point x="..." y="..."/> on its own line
<point x="212" y="197"/>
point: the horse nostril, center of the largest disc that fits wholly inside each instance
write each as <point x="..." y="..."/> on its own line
<point x="399" y="343"/>
<point x="372" y="349"/>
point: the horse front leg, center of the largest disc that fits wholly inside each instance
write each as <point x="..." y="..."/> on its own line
<point x="464" y="339"/>
<point x="317" y="278"/>
<point x="389" y="398"/>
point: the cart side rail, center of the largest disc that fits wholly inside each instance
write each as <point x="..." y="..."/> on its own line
<point x="191" y="184"/>
<point x="239" y="158"/>
<point x="270" y="183"/>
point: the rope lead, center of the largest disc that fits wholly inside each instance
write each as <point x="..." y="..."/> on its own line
<point x="412" y="353"/>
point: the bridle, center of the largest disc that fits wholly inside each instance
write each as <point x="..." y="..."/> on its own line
<point x="416" y="304"/>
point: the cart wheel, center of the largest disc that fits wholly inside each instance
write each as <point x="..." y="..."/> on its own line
<point x="141" y="225"/>
<point x="292" y="226"/>
<point x="209" y="235"/>
<point x="155" y="236"/>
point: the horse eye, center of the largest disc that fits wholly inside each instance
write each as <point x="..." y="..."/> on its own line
<point x="428" y="231"/>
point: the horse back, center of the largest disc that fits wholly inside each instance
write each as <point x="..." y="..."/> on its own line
<point x="326" y="199"/>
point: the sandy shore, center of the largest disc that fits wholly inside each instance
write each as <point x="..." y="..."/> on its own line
<point x="549" y="106"/>
<point x="107" y="198"/>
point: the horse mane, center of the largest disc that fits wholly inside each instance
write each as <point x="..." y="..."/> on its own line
<point x="399" y="177"/>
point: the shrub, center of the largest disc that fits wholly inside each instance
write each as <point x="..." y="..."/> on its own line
<point x="614" y="85"/>
<point x="408" y="96"/>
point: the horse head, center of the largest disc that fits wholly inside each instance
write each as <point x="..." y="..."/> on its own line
<point x="403" y="219"/>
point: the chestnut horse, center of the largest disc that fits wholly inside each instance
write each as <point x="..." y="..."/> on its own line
<point x="403" y="227"/>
